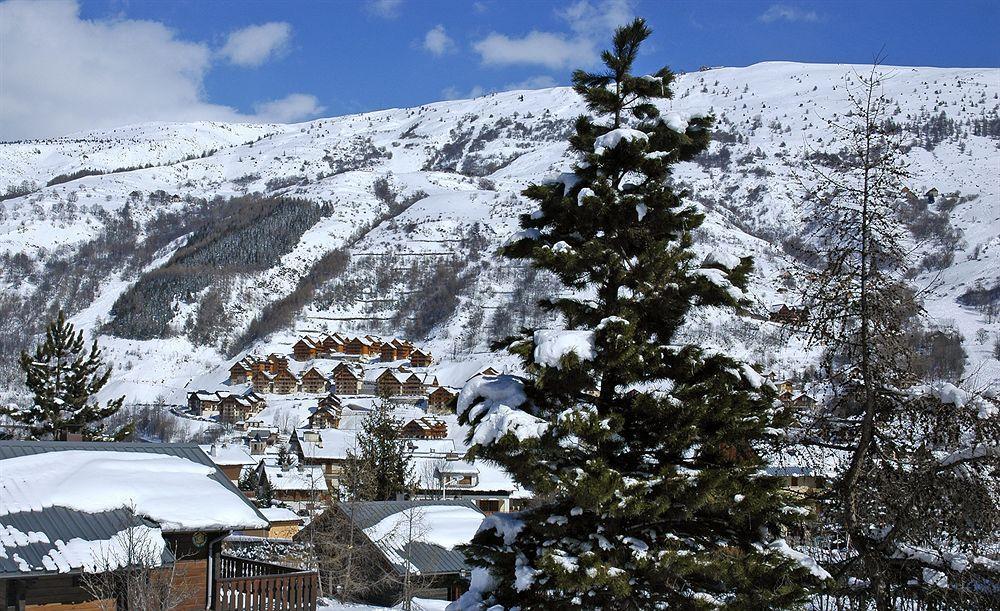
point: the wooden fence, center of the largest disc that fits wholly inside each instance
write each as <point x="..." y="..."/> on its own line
<point x="249" y="585"/>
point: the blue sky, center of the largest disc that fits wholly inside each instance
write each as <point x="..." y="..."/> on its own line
<point x="287" y="61"/>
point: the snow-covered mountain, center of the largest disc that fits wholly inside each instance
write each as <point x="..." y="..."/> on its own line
<point x="131" y="231"/>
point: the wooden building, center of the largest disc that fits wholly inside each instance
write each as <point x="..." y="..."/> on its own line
<point x="313" y="381"/>
<point x="241" y="371"/>
<point x="358" y="346"/>
<point x="441" y="400"/>
<point x="234" y="408"/>
<point x="385" y="561"/>
<point x="302" y="485"/>
<point x="201" y="401"/>
<point x="285" y="382"/>
<point x="420" y="358"/>
<point x="203" y="508"/>
<point x="263" y="381"/>
<point x="395" y="350"/>
<point x="330" y="344"/>
<point x="275" y="363"/>
<point x="394" y="382"/>
<point x="347" y="379"/>
<point x="427" y="427"/>
<point x="305" y="349"/>
<point x="786" y="314"/>
<point x="327" y="414"/>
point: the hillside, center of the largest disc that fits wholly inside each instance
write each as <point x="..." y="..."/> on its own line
<point x="387" y="222"/>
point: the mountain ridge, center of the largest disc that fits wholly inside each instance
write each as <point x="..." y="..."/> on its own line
<point x="471" y="158"/>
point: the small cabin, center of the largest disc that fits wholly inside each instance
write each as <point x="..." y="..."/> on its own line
<point x="419" y="358"/>
<point x="305" y="349"/>
<point x="932" y="195"/>
<point x="313" y="381"/>
<point x="427" y="427"/>
<point x="785" y="314"/>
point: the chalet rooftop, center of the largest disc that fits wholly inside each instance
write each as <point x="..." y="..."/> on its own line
<point x="443" y="526"/>
<point x="61" y="500"/>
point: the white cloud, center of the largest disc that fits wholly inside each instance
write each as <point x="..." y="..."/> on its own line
<point x="542" y="81"/>
<point x="592" y="20"/>
<point x="385" y="8"/>
<point x="538" y="48"/>
<point x="453" y="93"/>
<point x="254" y="45"/>
<point x="590" y="24"/>
<point x="437" y="41"/>
<point x="63" y="74"/>
<point x="778" y="12"/>
<point x="289" y="109"/>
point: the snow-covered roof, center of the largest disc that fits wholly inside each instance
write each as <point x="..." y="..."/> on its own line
<point x="280" y="514"/>
<point x="298" y="477"/>
<point x="426" y="447"/>
<point x="326" y="444"/>
<point x="438" y="527"/>
<point x="66" y="504"/>
<point x="489" y="477"/>
<point x="228" y="454"/>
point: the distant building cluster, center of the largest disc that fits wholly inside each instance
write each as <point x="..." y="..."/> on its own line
<point x="331" y="365"/>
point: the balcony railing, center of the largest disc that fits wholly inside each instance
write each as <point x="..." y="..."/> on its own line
<point x="250" y="585"/>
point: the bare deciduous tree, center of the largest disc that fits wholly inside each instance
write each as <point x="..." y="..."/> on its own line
<point x="913" y="501"/>
<point x="128" y="571"/>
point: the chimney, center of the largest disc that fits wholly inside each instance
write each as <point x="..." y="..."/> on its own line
<point x="212" y="450"/>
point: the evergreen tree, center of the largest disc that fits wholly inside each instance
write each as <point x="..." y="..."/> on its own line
<point x="645" y="453"/>
<point x="265" y="491"/>
<point x="64" y="376"/>
<point x="380" y="468"/>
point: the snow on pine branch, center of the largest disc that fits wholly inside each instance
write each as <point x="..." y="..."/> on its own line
<point x="611" y="139"/>
<point x="492" y="402"/>
<point x="551" y="345"/>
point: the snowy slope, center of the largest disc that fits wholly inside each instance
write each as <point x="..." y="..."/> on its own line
<point x="470" y="159"/>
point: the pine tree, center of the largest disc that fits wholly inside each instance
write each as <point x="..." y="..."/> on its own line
<point x="265" y="491"/>
<point x="64" y="376"/>
<point x="645" y="453"/>
<point x="380" y="468"/>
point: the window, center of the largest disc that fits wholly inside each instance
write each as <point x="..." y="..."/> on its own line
<point x="489" y="505"/>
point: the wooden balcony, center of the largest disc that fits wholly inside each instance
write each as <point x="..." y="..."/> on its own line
<point x="249" y="585"/>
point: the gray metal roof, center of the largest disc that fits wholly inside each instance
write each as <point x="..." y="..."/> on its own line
<point x="62" y="524"/>
<point x="428" y="558"/>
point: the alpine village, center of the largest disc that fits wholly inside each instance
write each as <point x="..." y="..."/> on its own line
<point x="718" y="339"/>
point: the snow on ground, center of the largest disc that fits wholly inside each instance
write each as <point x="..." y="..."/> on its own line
<point x="768" y="113"/>
<point x="417" y="604"/>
